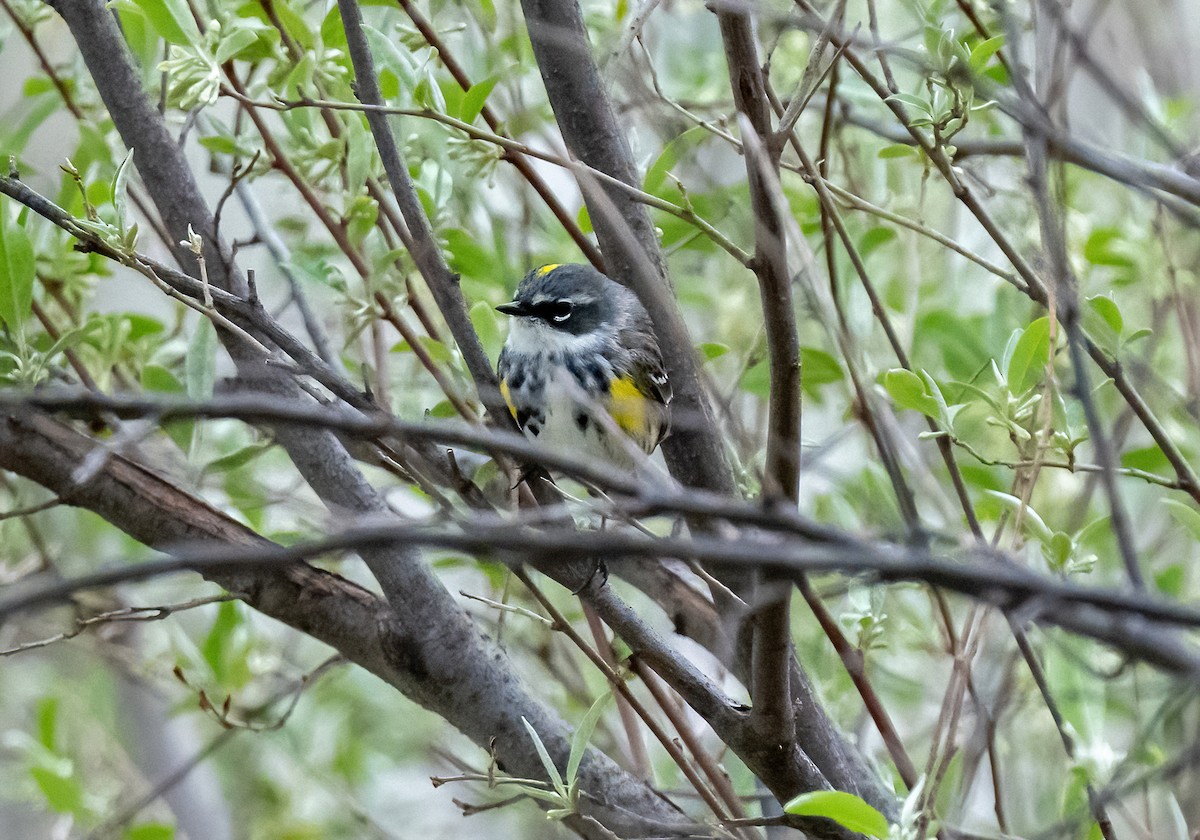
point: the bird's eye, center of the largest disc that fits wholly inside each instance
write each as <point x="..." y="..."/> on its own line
<point x="560" y="310"/>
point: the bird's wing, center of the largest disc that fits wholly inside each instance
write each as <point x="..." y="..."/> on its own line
<point x="639" y="397"/>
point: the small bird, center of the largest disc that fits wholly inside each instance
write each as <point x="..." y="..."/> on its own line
<point x="581" y="370"/>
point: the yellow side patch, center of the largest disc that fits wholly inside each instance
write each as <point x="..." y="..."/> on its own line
<point x="504" y="392"/>
<point x="546" y="269"/>
<point x="628" y="408"/>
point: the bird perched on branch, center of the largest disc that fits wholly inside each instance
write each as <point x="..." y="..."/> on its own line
<point x="581" y="370"/>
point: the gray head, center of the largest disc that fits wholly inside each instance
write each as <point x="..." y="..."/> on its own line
<point x="574" y="299"/>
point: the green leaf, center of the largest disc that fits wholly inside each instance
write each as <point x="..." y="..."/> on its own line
<point x="476" y="97"/>
<point x="1170" y="581"/>
<point x="47" y="723"/>
<point x="239" y="457"/>
<point x="389" y="82"/>
<point x="444" y="410"/>
<point x="333" y="32"/>
<point x="712" y="350"/>
<point x="962" y="341"/>
<point x="1030" y="357"/>
<point x="487" y="325"/>
<point x="360" y="155"/>
<point x="16" y="273"/>
<point x="150" y="831"/>
<point x="579" y="741"/>
<point x="234" y="42"/>
<point x="293" y="22"/>
<point x="1059" y="550"/>
<point x="945" y="415"/>
<point x="61" y="789"/>
<point x="1107" y="246"/>
<point x="142" y="39"/>
<point x="548" y="763"/>
<point x="908" y="390"/>
<point x="1034" y="524"/>
<point x="757" y="380"/>
<point x="159" y="378"/>
<point x="1107" y="309"/>
<point x="846" y="809"/>
<point x="171" y="20"/>
<point x="200" y="366"/>
<point x="437" y="351"/>
<point x="670" y="156"/>
<point x="584" y="219"/>
<point x="467" y="256"/>
<point x="219" y="144"/>
<point x="15" y="137"/>
<point x="818" y="368"/>
<point x="896" y="150"/>
<point x="984" y="51"/>
<point x="912" y="102"/>
<point x="1148" y="458"/>
<point x="1185" y="515"/>
<point x="120" y="186"/>
<point x="216" y="644"/>
<point x="874" y="238"/>
<point x="390" y="57"/>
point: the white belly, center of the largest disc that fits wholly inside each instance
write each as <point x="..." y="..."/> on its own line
<point x="579" y="427"/>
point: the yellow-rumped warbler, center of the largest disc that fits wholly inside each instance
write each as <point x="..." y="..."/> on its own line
<point x="581" y="370"/>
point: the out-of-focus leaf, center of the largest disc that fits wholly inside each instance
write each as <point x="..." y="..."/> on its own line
<point x="1107" y="246"/>
<point x="239" y="457"/>
<point x="1185" y="515"/>
<point x="846" y="809"/>
<point x="1034" y="524"/>
<point x="233" y="43"/>
<point x="476" y="97"/>
<point x="61" y="789"/>
<point x="47" y="723"/>
<point x="1030" y="356"/>
<point x="171" y="20"/>
<point x="16" y="272"/>
<point x="1107" y="309"/>
<point x="873" y="239"/>
<point x="669" y="158"/>
<point x="216" y="644"/>
<point x="200" y="366"/>
<point x="583" y="734"/>
<point x="984" y="51"/>
<point x="912" y="102"/>
<point x="1148" y="458"/>
<point x="818" y="368"/>
<point x="150" y="831"/>
<point x="908" y="390"/>
<point x="483" y="318"/>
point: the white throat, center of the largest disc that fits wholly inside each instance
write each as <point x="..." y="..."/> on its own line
<point x="532" y="335"/>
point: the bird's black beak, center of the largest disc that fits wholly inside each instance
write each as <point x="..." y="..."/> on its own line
<point x="513" y="308"/>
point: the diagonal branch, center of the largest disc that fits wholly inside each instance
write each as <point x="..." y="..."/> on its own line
<point x="519" y="161"/>
<point x="434" y="669"/>
<point x="418" y="238"/>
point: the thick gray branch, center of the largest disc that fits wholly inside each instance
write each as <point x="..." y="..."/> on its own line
<point x="590" y="129"/>
<point x="445" y="666"/>
<point x="444" y="660"/>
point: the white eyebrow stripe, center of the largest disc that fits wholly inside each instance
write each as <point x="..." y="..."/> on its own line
<point x="580" y="300"/>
